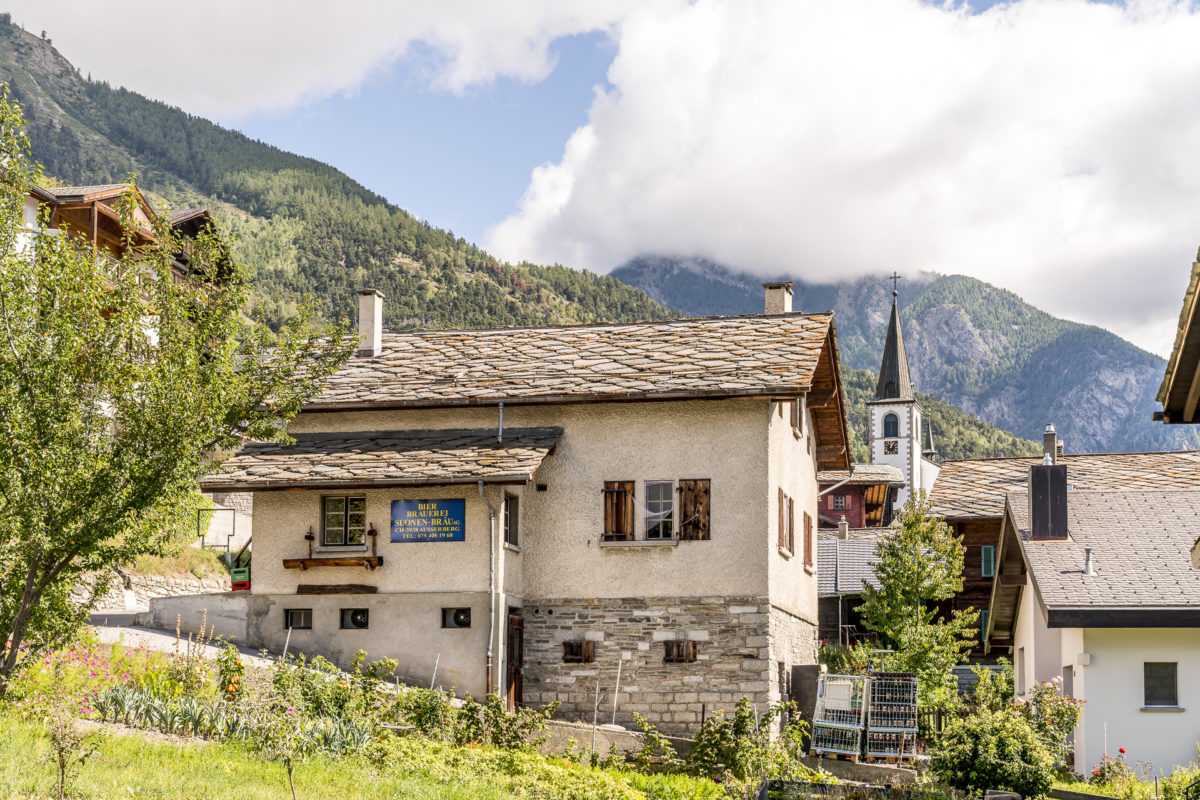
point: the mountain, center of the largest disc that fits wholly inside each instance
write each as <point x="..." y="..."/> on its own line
<point x="301" y="225"/>
<point x="980" y="348"/>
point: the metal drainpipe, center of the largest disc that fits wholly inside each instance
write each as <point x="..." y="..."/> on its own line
<point x="491" y="583"/>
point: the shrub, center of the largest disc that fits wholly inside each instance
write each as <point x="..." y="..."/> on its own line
<point x="740" y="750"/>
<point x="993" y="750"/>
<point x="1052" y="716"/>
<point x="490" y="723"/>
<point x="1111" y="771"/>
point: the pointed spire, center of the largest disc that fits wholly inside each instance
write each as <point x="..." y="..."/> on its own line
<point x="894" y="382"/>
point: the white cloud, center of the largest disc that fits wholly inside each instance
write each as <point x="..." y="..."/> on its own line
<point x="229" y="58"/>
<point x="1047" y="146"/>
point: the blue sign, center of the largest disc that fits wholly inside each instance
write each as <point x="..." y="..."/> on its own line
<point x="428" y="520"/>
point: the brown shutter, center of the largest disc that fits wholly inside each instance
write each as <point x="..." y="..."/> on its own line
<point x="589" y="651"/>
<point x="808" y="540"/>
<point x="791" y="525"/>
<point x="618" y="509"/>
<point x="782" y="519"/>
<point x="694" y="509"/>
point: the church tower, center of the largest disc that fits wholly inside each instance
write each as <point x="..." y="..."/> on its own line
<point x="895" y="414"/>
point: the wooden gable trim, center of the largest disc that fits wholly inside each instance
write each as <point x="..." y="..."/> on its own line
<point x="826" y="402"/>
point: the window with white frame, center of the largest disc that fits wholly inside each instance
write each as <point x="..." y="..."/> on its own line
<point x="660" y="509"/>
<point x="344" y="521"/>
<point x="511" y="517"/>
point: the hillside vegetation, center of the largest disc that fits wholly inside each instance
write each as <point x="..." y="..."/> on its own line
<point x="303" y="226"/>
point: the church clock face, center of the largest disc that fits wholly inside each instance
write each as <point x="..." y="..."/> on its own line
<point x="891" y="448"/>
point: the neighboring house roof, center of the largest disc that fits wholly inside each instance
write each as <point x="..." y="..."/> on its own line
<point x="386" y="459"/>
<point x="856" y="534"/>
<point x="863" y="473"/>
<point x="86" y="192"/>
<point x="894" y="380"/>
<point x="843" y="565"/>
<point x="1140" y="544"/>
<point x="1180" y="389"/>
<point x="976" y="488"/>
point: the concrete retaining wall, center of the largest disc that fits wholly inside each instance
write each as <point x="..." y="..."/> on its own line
<point x="227" y="615"/>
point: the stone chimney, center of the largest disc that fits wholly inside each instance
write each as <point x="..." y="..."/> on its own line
<point x="1051" y="446"/>
<point x="778" y="297"/>
<point x="843" y="529"/>
<point x="370" y="322"/>
<point x="1048" y="501"/>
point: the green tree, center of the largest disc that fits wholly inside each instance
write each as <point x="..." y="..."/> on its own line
<point x="919" y="564"/>
<point x="993" y="750"/>
<point x="121" y="382"/>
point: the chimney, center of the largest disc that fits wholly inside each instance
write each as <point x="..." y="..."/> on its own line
<point x="1050" y="445"/>
<point x="1048" y="501"/>
<point x="778" y="297"/>
<point x="843" y="529"/>
<point x="1088" y="567"/>
<point x="370" y="322"/>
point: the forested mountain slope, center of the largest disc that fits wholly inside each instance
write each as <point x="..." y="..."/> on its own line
<point x="971" y="344"/>
<point x="301" y="225"/>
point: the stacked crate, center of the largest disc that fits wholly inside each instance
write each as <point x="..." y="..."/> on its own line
<point x="840" y="715"/>
<point x="892" y="717"/>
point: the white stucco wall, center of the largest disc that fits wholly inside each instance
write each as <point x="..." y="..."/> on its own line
<point x="908" y="455"/>
<point x="1115" y="693"/>
<point x="724" y="441"/>
<point x="793" y="468"/>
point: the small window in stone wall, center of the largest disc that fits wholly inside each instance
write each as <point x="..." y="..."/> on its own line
<point x="679" y="652"/>
<point x="297" y="618"/>
<point x="579" y="652"/>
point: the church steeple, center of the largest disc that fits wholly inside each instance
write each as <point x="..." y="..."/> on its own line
<point x="894" y="381"/>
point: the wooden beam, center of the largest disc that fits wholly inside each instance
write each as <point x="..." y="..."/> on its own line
<point x="336" y="588"/>
<point x="1010" y="580"/>
<point x="1193" y="395"/>
<point x="370" y="562"/>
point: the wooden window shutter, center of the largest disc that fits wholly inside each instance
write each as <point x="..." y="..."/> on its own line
<point x="694" y="509"/>
<point x="808" y="540"/>
<point x="791" y="525"/>
<point x="782" y="522"/>
<point x="618" y="510"/>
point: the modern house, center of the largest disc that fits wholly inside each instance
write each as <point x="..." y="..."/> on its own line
<point x="1094" y="587"/>
<point x="971" y="495"/>
<point x="532" y="510"/>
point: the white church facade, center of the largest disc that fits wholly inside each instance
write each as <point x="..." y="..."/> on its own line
<point x="898" y="436"/>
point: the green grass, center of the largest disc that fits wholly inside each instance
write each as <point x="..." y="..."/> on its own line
<point x="188" y="561"/>
<point x="131" y="765"/>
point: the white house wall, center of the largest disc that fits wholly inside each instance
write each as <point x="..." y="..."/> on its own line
<point x="1115" y="686"/>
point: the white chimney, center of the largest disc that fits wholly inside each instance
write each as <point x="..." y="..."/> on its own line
<point x="370" y="322"/>
<point x="1089" y="568"/>
<point x="777" y="297"/>
<point x="843" y="529"/>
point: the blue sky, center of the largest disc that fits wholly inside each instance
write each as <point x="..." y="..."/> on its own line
<point x="460" y="161"/>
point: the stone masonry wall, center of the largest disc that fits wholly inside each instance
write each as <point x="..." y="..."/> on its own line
<point x="732" y="636"/>
<point x="793" y="641"/>
<point x="128" y="592"/>
<point x="242" y="502"/>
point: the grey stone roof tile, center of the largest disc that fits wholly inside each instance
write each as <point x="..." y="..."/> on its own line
<point x="754" y="355"/>
<point x="1141" y="543"/>
<point x="975" y="488"/>
<point x="374" y="458"/>
<point x="843" y="565"/>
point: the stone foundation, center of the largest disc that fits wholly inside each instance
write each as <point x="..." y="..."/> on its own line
<point x="735" y="656"/>
<point x="128" y="592"/>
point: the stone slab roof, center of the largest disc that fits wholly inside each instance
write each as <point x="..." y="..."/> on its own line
<point x="976" y="488"/>
<point x="843" y="565"/>
<point x="745" y="356"/>
<point x="83" y="191"/>
<point x="1140" y="540"/>
<point x="856" y="534"/>
<point x="863" y="473"/>
<point x="385" y="459"/>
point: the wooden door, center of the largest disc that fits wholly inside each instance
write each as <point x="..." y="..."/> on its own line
<point x="514" y="659"/>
